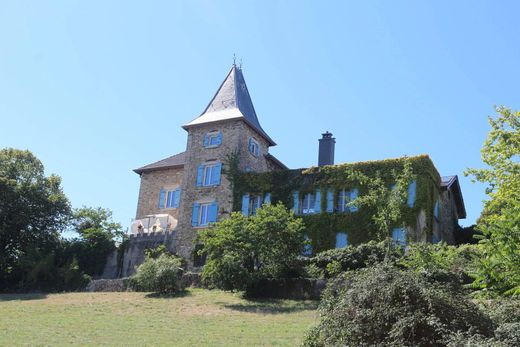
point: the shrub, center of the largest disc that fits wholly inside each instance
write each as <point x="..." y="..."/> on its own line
<point x="332" y="262"/>
<point x="162" y="275"/>
<point x="382" y="305"/>
<point x="241" y="250"/>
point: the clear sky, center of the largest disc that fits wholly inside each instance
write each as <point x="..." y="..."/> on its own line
<point x="97" y="88"/>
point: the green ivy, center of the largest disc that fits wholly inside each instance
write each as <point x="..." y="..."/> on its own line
<point x="322" y="228"/>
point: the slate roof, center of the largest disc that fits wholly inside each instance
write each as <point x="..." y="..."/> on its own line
<point x="176" y="160"/>
<point x="452" y="183"/>
<point x="232" y="101"/>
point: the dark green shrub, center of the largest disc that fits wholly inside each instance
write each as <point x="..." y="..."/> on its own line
<point x="332" y="262"/>
<point x="243" y="250"/>
<point x="162" y="275"/>
<point x="383" y="305"/>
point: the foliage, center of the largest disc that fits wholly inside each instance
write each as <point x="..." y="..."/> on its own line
<point x="500" y="221"/>
<point x="97" y="234"/>
<point x="33" y="209"/>
<point x="156" y="252"/>
<point x="360" y="226"/>
<point x="242" y="250"/>
<point x="162" y="275"/>
<point x="334" y="261"/>
<point x="432" y="259"/>
<point x="382" y="305"/>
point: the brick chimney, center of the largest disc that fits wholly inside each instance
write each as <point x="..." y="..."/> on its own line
<point x="326" y="150"/>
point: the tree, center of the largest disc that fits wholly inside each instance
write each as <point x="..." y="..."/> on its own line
<point x="97" y="235"/>
<point x="500" y="219"/>
<point x="33" y="208"/>
<point x="242" y="250"/>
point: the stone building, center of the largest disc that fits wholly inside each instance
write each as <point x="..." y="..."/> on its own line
<point x="188" y="191"/>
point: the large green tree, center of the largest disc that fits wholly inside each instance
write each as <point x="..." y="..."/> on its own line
<point x="33" y="208"/>
<point x="500" y="219"/>
<point x="242" y="250"/>
<point x="97" y="236"/>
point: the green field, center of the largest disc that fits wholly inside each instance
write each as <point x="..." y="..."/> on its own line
<point x="197" y="317"/>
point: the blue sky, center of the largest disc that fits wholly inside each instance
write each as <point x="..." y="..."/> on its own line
<point x="97" y="88"/>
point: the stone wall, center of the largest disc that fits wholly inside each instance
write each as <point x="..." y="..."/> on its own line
<point x="151" y="184"/>
<point x="448" y="219"/>
<point x="235" y="137"/>
<point x="134" y="253"/>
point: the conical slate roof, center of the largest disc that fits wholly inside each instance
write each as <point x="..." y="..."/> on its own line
<point x="232" y="101"/>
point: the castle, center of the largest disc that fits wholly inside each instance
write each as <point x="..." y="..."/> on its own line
<point x="188" y="191"/>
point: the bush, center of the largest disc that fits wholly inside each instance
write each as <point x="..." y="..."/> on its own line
<point x="162" y="275"/>
<point x="461" y="261"/>
<point x="332" y="262"/>
<point x="386" y="306"/>
<point x="243" y="250"/>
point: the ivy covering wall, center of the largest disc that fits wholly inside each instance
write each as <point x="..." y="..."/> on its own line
<point x="322" y="227"/>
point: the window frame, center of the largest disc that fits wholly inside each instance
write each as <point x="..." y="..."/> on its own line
<point x="209" y="169"/>
<point x="344" y="198"/>
<point x="203" y="213"/>
<point x="254" y="147"/>
<point x="214" y="136"/>
<point x="310" y="198"/>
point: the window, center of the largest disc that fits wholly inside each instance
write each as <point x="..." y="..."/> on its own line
<point x="344" y="198"/>
<point x="250" y="203"/>
<point x="209" y="174"/>
<point x="169" y="198"/>
<point x="399" y="236"/>
<point x="212" y="139"/>
<point x="308" y="204"/>
<point x="199" y="260"/>
<point x="341" y="240"/>
<point x="254" y="147"/>
<point x="436" y="210"/>
<point x="204" y="213"/>
<point x="411" y="193"/>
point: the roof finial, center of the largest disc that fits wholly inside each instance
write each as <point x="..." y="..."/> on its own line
<point x="240" y="64"/>
<point x="234" y="59"/>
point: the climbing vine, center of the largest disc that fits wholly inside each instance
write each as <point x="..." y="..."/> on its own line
<point x="322" y="227"/>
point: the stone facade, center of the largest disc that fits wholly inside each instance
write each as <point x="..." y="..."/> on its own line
<point x="235" y="137"/>
<point x="151" y="184"/>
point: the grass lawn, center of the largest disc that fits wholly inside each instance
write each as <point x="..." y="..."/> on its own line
<point x="198" y="317"/>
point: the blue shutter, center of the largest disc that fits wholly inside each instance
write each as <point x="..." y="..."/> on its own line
<point x="307" y="249"/>
<point x="212" y="212"/>
<point x="296" y="201"/>
<point x="399" y="236"/>
<point x="177" y="198"/>
<point x="411" y="193"/>
<point x="215" y="179"/>
<point x="195" y="215"/>
<point x="161" y="198"/>
<point x="267" y="198"/>
<point x="436" y="209"/>
<point x="317" y="202"/>
<point x="200" y="172"/>
<point x="206" y="140"/>
<point x="353" y="196"/>
<point x="245" y="204"/>
<point x="341" y="240"/>
<point x="330" y="201"/>
<point x="219" y="138"/>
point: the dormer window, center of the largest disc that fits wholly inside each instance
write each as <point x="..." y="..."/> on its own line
<point x="212" y="139"/>
<point x="254" y="147"/>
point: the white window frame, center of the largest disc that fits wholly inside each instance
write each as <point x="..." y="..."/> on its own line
<point x="343" y="200"/>
<point x="202" y="218"/>
<point x="255" y="202"/>
<point x="254" y="147"/>
<point x="310" y="199"/>
<point x="169" y="202"/>
<point x="207" y="174"/>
